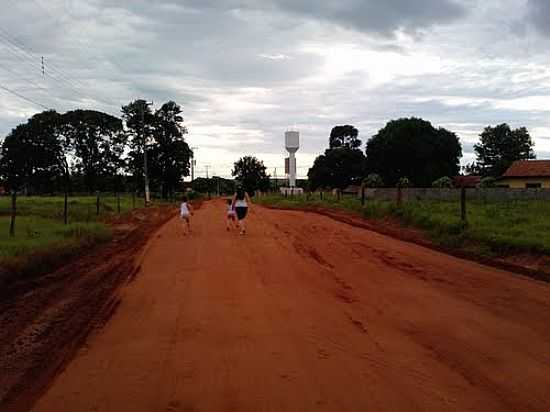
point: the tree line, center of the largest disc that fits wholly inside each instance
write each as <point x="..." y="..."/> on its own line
<point x="412" y="152"/>
<point x="89" y="151"/>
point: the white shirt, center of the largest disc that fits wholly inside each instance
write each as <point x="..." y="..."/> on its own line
<point x="241" y="203"/>
<point x="184" y="210"/>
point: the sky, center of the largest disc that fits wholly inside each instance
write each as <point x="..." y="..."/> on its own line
<point x="244" y="71"/>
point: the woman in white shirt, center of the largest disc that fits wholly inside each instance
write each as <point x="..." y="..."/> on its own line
<point x="241" y="200"/>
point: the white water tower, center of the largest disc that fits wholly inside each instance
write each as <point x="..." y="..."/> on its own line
<point x="292" y="144"/>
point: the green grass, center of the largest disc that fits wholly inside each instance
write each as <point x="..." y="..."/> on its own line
<point x="80" y="209"/>
<point x="42" y="241"/>
<point x="493" y="228"/>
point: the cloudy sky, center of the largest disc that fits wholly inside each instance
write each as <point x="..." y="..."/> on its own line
<point x="244" y="71"/>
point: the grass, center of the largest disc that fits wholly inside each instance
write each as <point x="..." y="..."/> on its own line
<point x="494" y="228"/>
<point x="80" y="209"/>
<point x="42" y="242"/>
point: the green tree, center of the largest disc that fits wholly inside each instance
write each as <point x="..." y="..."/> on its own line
<point x="337" y="168"/>
<point x="373" y="180"/>
<point x="344" y="136"/>
<point x="500" y="146"/>
<point x="170" y="154"/>
<point x="98" y="143"/>
<point x="30" y="157"/>
<point x="413" y="148"/>
<point x="250" y="173"/>
<point x="139" y="123"/>
<point x="444" y="182"/>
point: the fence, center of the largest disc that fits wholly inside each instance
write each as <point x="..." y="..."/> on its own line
<point x="476" y="194"/>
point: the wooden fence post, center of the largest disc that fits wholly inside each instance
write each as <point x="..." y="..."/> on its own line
<point x="321" y="194"/>
<point x="463" y="206"/>
<point x="399" y="196"/>
<point x="13" y="212"/>
<point x="97" y="204"/>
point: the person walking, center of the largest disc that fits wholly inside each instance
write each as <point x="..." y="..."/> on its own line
<point x="241" y="202"/>
<point x="185" y="213"/>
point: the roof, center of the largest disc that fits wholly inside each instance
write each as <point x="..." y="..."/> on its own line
<point x="466" y="181"/>
<point x="529" y="168"/>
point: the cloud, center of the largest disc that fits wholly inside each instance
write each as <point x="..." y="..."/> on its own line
<point x="246" y="70"/>
<point x="539" y="14"/>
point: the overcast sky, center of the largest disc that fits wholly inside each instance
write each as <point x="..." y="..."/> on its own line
<point x="244" y="71"/>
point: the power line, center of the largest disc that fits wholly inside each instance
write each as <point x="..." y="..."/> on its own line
<point x="23" y="97"/>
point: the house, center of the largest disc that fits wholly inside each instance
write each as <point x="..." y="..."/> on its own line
<point x="469" y="181"/>
<point x="528" y="174"/>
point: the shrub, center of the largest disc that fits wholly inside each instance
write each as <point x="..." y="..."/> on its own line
<point x="444" y="182"/>
<point x="488" y="182"/>
<point x="404" y="182"/>
<point x="373" y="180"/>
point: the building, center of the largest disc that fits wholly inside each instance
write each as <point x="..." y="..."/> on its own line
<point x="469" y="181"/>
<point x="534" y="174"/>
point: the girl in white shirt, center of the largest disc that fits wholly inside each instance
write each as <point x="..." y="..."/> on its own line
<point x="185" y="212"/>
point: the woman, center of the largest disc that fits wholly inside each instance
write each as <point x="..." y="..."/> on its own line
<point x="240" y="203"/>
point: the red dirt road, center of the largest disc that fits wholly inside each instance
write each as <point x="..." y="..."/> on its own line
<point x="308" y="314"/>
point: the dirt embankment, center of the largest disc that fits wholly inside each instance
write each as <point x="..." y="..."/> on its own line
<point x="534" y="266"/>
<point x="43" y="320"/>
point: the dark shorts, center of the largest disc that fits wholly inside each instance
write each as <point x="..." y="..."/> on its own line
<point x="241" y="212"/>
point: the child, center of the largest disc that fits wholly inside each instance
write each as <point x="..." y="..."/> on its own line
<point x="185" y="212"/>
<point x="231" y="215"/>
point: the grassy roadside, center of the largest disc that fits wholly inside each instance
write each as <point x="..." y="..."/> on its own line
<point x="494" y="229"/>
<point x="42" y="242"/>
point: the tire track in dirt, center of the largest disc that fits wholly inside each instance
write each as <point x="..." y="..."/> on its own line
<point x="307" y="313"/>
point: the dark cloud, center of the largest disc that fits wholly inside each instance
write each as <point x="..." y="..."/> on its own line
<point x="374" y="16"/>
<point x="539" y="14"/>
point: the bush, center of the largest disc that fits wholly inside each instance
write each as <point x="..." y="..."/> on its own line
<point x="443" y="183"/>
<point x="404" y="182"/>
<point x="488" y="182"/>
<point x="373" y="180"/>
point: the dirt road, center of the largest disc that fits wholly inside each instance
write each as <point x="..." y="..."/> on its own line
<point x="308" y="314"/>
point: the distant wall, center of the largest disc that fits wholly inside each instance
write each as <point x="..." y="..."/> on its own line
<point x="489" y="194"/>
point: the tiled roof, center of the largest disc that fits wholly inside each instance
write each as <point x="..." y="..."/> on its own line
<point x="466" y="181"/>
<point x="529" y="168"/>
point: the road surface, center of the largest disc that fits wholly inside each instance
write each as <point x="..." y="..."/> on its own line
<point x="305" y="313"/>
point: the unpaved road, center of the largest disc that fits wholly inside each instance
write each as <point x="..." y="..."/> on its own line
<point x="308" y="314"/>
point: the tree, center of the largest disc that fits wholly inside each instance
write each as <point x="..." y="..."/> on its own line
<point x="444" y="182"/>
<point x="337" y="168"/>
<point x="30" y="156"/>
<point x="344" y="136"/>
<point x="170" y="154"/>
<point x="98" y="143"/>
<point x="373" y="180"/>
<point x="413" y="148"/>
<point x="250" y="173"/>
<point x="139" y="122"/>
<point x="500" y="146"/>
<point x="342" y="164"/>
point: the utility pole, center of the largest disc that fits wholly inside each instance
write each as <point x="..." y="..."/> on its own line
<point x="145" y="166"/>
<point x="193" y="163"/>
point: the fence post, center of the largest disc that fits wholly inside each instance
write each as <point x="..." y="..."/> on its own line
<point x="321" y="194"/>
<point x="97" y="204"/>
<point x="399" y="196"/>
<point x="463" y="206"/>
<point x="13" y="212"/>
<point x="362" y="195"/>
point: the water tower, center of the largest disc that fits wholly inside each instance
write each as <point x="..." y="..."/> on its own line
<point x="292" y="144"/>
